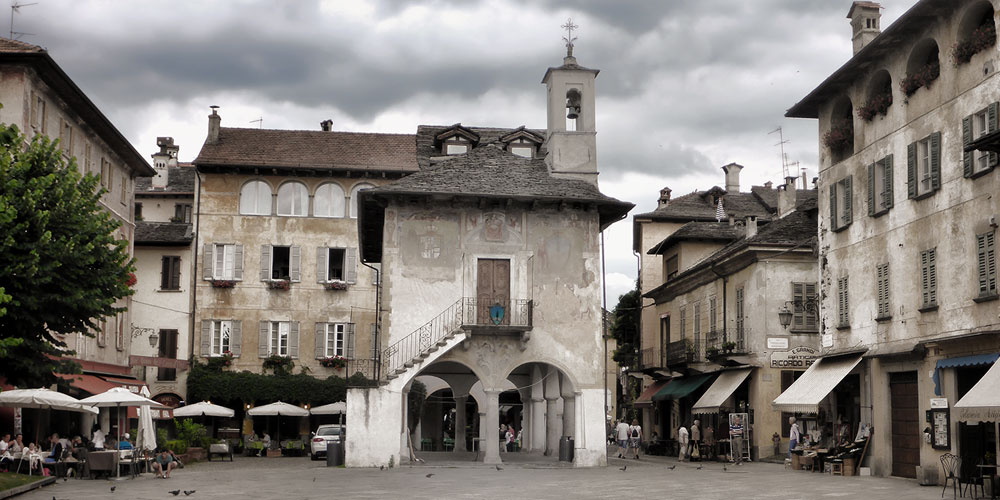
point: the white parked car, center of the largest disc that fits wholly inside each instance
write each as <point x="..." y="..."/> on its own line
<point x="324" y="434"/>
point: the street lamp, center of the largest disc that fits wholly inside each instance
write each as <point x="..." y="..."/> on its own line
<point x="785" y="316"/>
<point x="809" y="305"/>
<point x="153" y="337"/>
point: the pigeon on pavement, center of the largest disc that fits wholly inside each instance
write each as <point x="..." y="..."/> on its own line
<point x="624" y="467"/>
<point x="672" y="467"/>
<point x="499" y="468"/>
<point x="429" y="475"/>
<point x="188" y="492"/>
<point x="113" y="487"/>
<point x="699" y="467"/>
<point x="175" y="492"/>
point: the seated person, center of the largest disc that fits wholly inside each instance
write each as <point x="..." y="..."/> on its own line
<point x="16" y="446"/>
<point x="164" y="463"/>
<point x="56" y="450"/>
<point x="77" y="449"/>
<point x="125" y="444"/>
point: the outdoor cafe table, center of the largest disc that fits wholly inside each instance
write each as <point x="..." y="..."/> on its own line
<point x="102" y="461"/>
<point x="993" y="477"/>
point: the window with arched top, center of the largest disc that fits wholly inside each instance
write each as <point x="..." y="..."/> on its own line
<point x="255" y="198"/>
<point x="329" y="200"/>
<point x="839" y="137"/>
<point x="922" y="67"/>
<point x="354" y="197"/>
<point x="879" y="96"/>
<point x="976" y="32"/>
<point x="293" y="199"/>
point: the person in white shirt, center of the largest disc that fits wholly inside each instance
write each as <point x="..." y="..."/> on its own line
<point x="98" y="439"/>
<point x="4" y="443"/>
<point x="621" y="436"/>
<point x="683" y="441"/>
<point x="793" y="435"/>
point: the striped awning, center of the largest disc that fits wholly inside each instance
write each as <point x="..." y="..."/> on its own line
<point x="720" y="390"/>
<point x="982" y="402"/>
<point x="805" y="394"/>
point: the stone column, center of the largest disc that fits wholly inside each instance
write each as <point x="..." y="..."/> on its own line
<point x="460" y="403"/>
<point x="483" y="434"/>
<point x="569" y="415"/>
<point x="492" y="427"/>
<point x="537" y="412"/>
<point x="578" y="433"/>
<point x="553" y="421"/>
<point x="525" y="419"/>
<point x="404" y="443"/>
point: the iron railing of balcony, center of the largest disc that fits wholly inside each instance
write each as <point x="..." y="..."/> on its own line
<point x="362" y="372"/>
<point x="498" y="313"/>
<point x="729" y="342"/>
<point x="650" y="357"/>
<point x="684" y="351"/>
<point x="404" y="351"/>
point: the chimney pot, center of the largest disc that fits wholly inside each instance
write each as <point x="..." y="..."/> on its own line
<point x="732" y="177"/>
<point x="664" y="197"/>
<point x="326" y="125"/>
<point x="768" y="184"/>
<point x="865" y="17"/>
<point x="751" y="230"/>
<point x="214" y="122"/>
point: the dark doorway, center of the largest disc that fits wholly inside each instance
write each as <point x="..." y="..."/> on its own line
<point x="493" y="288"/>
<point x="905" y="424"/>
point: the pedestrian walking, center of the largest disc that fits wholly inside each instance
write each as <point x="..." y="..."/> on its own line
<point x="793" y="435"/>
<point x="736" y="438"/>
<point x="635" y="437"/>
<point x="683" y="441"/>
<point x="621" y="437"/>
<point x="695" y="451"/>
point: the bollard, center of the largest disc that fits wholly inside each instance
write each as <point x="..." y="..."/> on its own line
<point x="565" y="449"/>
<point x="334" y="456"/>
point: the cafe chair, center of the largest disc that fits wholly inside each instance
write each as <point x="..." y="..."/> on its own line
<point x="952" y="465"/>
<point x="972" y="479"/>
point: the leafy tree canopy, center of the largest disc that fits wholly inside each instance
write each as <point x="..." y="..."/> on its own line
<point x="61" y="268"/>
<point x="625" y="327"/>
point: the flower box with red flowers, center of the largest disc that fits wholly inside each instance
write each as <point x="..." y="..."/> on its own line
<point x="335" y="285"/>
<point x="877" y="105"/>
<point x="981" y="38"/>
<point x="131" y="280"/>
<point x="920" y="78"/>
<point x="223" y="283"/>
<point x="840" y="136"/>
<point x="279" y="284"/>
<point x="337" y="362"/>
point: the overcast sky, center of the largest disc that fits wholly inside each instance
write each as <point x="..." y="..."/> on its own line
<point x="686" y="86"/>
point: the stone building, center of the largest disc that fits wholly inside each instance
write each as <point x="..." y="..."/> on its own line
<point x="907" y="234"/>
<point x="492" y="279"/>
<point x="164" y="261"/>
<point x="276" y="264"/>
<point x="40" y="98"/>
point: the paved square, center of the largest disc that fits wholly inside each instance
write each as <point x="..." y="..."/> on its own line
<point x="649" y="477"/>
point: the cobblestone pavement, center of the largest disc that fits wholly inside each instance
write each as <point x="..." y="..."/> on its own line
<point x="649" y="477"/>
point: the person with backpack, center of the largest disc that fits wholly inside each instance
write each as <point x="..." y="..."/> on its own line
<point x="634" y="437"/>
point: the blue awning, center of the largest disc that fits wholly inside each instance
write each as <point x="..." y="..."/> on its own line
<point x="977" y="360"/>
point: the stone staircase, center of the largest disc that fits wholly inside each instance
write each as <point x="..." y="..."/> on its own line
<point x="425" y="344"/>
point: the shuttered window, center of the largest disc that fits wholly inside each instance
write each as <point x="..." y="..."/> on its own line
<point x="882" y="291"/>
<point x="986" y="252"/>
<point x="975" y="126"/>
<point x="843" y="305"/>
<point x="221" y="336"/>
<point x="336" y="264"/>
<point x="683" y="323"/>
<point x="923" y="166"/>
<point x="712" y="313"/>
<point x="804" y="312"/>
<point x="222" y="262"/>
<point x="928" y="277"/>
<point x="280" y="263"/>
<point x="335" y="339"/>
<point x="739" y="312"/>
<point x="841" y="204"/>
<point x="697" y="327"/>
<point x="880" y="197"/>
<point x="170" y="273"/>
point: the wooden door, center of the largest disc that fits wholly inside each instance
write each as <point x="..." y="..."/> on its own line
<point x="493" y="289"/>
<point x="906" y="431"/>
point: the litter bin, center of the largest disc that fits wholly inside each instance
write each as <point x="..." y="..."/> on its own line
<point x="334" y="450"/>
<point x="566" y="449"/>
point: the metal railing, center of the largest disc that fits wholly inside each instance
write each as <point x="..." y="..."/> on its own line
<point x="650" y="357"/>
<point x="493" y="312"/>
<point x="729" y="342"/>
<point x="683" y="351"/>
<point x="450" y="320"/>
<point x="362" y="373"/>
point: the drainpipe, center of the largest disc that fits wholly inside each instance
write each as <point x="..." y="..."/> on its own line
<point x="725" y="281"/>
<point x="378" y="319"/>
<point x="604" y="328"/>
<point x="194" y="273"/>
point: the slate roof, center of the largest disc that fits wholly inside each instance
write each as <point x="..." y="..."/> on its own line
<point x="163" y="233"/>
<point x="180" y="180"/>
<point x="427" y="147"/>
<point x="698" y="206"/>
<point x="15" y="52"/>
<point x="310" y="150"/>
<point x="698" y="231"/>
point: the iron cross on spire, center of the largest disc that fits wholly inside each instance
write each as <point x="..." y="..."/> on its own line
<point x="569" y="38"/>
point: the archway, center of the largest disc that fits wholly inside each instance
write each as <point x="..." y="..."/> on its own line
<point x="550" y="406"/>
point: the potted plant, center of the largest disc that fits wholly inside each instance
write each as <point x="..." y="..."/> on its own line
<point x="280" y="365"/>
<point x="223" y="283"/>
<point x="981" y="38"/>
<point x="877" y="105"/>
<point x="337" y="362"/>
<point x="177" y="219"/>
<point x="335" y="285"/>
<point x="283" y="284"/>
<point x="712" y="352"/>
<point x="728" y="346"/>
<point x="840" y="136"/>
<point x="220" y="362"/>
<point x="920" y="78"/>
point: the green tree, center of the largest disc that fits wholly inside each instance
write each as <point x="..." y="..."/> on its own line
<point x="61" y="268"/>
<point x="625" y="327"/>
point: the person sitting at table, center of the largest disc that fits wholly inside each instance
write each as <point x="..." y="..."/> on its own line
<point x="98" y="439"/>
<point x="56" y="450"/>
<point x="16" y="445"/>
<point x="266" y="439"/>
<point x="77" y="449"/>
<point x="164" y="463"/>
<point x="125" y="444"/>
<point x="33" y="454"/>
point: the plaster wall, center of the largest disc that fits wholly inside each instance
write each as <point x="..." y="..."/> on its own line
<point x="307" y="302"/>
<point x="162" y="209"/>
<point x="376" y="420"/>
<point x="19" y="86"/>
<point x="162" y="309"/>
<point x="650" y="233"/>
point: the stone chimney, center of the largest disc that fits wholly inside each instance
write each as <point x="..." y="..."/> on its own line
<point x="751" y="230"/>
<point x="163" y="159"/>
<point x="768" y="184"/>
<point x="732" y="177"/>
<point x="214" y="123"/>
<point x="786" y="197"/>
<point x="864" y="18"/>
<point x="326" y="125"/>
<point x="664" y="197"/>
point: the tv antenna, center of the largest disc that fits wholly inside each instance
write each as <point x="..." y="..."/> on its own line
<point x="16" y="8"/>
<point x="784" y="157"/>
<point x="259" y="122"/>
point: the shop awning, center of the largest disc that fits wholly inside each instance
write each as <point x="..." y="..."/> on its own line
<point x="680" y="387"/>
<point x="646" y="398"/>
<point x="720" y="390"/>
<point x="91" y="384"/>
<point x="982" y="402"/>
<point x="805" y="393"/>
<point x="977" y="360"/>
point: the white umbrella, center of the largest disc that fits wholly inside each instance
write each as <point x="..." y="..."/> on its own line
<point x="43" y="399"/>
<point x="118" y="397"/>
<point x="338" y="408"/>
<point x="147" y="432"/>
<point x="204" y="409"/>
<point x="278" y="409"/>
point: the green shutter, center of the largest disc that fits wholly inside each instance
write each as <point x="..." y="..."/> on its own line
<point x="992" y="126"/>
<point x="966" y="139"/>
<point x="834" y="223"/>
<point x="935" y="144"/>
<point x="911" y="170"/>
<point x="932" y="276"/>
<point x="872" y="199"/>
<point x="848" y="201"/>
<point x="887" y="188"/>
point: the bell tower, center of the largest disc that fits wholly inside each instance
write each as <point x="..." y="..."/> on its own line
<point x="571" y="138"/>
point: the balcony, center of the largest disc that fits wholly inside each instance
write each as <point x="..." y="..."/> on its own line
<point x="492" y="316"/>
<point x="721" y="343"/>
<point x="650" y="358"/>
<point x="682" y="352"/>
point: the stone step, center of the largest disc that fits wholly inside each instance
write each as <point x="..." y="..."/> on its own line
<point x="408" y="364"/>
<point x="432" y="348"/>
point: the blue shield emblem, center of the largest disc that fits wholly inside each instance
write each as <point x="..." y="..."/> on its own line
<point x="496" y="314"/>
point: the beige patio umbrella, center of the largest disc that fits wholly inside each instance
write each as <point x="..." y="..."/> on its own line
<point x="278" y="409"/>
<point x="117" y="397"/>
<point x="338" y="408"/>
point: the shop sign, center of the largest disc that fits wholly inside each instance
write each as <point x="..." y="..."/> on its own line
<point x="777" y="342"/>
<point x="827" y="340"/>
<point x="797" y="358"/>
<point x="939" y="402"/>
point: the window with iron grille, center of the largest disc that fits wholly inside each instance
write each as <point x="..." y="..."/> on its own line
<point x="928" y="278"/>
<point x="882" y="291"/>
